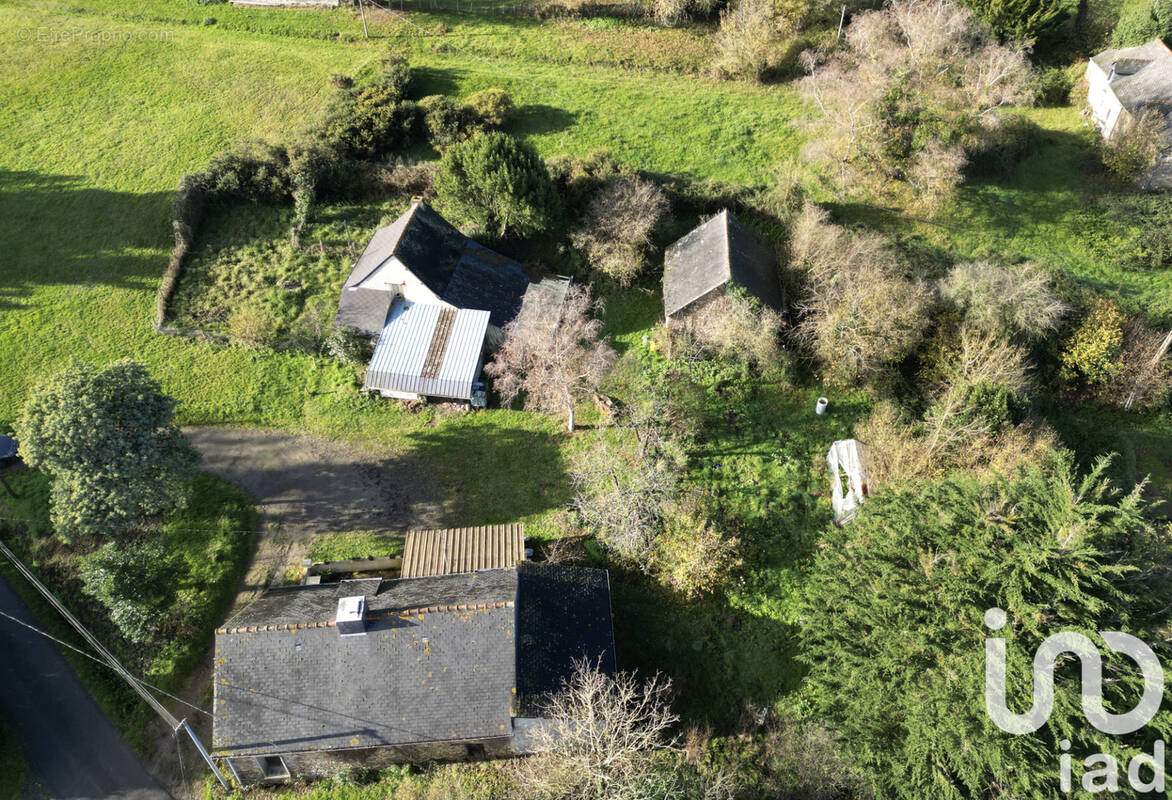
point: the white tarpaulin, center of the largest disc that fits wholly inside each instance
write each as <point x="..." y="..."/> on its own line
<point x="847" y="462"/>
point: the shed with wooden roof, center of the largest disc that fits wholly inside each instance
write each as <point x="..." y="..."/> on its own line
<point x="454" y="550"/>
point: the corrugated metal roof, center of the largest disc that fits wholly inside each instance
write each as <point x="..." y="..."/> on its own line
<point x="429" y="350"/>
<point x="455" y="550"/>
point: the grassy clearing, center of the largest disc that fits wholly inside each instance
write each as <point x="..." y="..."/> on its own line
<point x="212" y="538"/>
<point x="355" y="544"/>
<point x="1052" y="210"/>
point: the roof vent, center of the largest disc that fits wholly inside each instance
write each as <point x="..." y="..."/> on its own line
<point x="351" y="618"/>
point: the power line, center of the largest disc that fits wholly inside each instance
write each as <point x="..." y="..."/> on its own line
<point x="113" y="662"/>
<point x="97" y="660"/>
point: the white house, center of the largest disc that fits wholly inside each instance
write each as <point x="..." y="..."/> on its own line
<point x="436" y="301"/>
<point x="1122" y="84"/>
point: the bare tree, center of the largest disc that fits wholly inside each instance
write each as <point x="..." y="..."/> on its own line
<point x="622" y="483"/>
<point x="1015" y="300"/>
<point x="733" y="326"/>
<point x="859" y="314"/>
<point x="555" y="363"/>
<point x="609" y="737"/>
<point x="618" y="225"/>
<point x="916" y="78"/>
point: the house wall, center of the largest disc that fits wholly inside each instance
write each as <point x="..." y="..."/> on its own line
<point x="393" y="275"/>
<point x="323" y="764"/>
<point x="1106" y="110"/>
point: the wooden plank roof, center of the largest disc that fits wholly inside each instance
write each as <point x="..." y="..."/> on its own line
<point x="454" y="550"/>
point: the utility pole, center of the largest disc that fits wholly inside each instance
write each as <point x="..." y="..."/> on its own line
<point x="362" y="11"/>
<point x="114" y="663"/>
<point x="841" y="19"/>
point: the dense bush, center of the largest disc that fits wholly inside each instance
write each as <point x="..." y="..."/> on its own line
<point x="734" y="326"/>
<point x="1140" y="21"/>
<point x="371" y="122"/>
<point x="916" y="572"/>
<point x="859" y="316"/>
<point x="691" y="555"/>
<point x="747" y="40"/>
<point x="107" y="437"/>
<point x="616" y="229"/>
<point x="499" y="184"/>
<point x="350" y="346"/>
<point x="1092" y="354"/>
<point x="999" y="144"/>
<point x="395" y="74"/>
<point x="135" y="582"/>
<point x="1020" y="20"/>
<point x="1017" y="300"/>
<point x="578" y="179"/>
<point x="254" y="171"/>
<point x="492" y="106"/>
<point x="1053" y="85"/>
<point x="1149" y="246"/>
<point x="447" y="122"/>
<point x="1131" y="152"/>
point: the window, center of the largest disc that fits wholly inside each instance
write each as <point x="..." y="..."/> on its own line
<point x="273" y="768"/>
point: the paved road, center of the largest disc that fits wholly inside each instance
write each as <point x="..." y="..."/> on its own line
<point x="73" y="750"/>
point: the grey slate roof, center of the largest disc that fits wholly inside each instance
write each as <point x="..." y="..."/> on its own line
<point x="457" y="269"/>
<point x="363" y="309"/>
<point x="1139" y="76"/>
<point x="713" y="254"/>
<point x="440" y="660"/>
<point x="563" y="616"/>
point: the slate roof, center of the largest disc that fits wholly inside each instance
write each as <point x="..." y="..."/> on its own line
<point x="1139" y="76"/>
<point x="441" y="658"/>
<point x="363" y="309"/>
<point x="458" y="270"/>
<point x="713" y="254"/>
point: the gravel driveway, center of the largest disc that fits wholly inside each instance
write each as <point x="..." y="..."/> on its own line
<point x="307" y="486"/>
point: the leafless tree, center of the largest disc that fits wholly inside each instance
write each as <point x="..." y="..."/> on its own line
<point x="554" y="363"/>
<point x="1015" y="300"/>
<point x="618" y="225"/>
<point x="622" y="484"/>
<point x="859" y="314"/>
<point x="609" y="737"/>
<point x="732" y="326"/>
<point x="915" y="79"/>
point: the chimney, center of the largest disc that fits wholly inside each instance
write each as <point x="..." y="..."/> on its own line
<point x="351" y="619"/>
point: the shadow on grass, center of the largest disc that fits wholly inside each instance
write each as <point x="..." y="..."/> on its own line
<point x="537" y="119"/>
<point x="58" y="230"/>
<point x="486" y="473"/>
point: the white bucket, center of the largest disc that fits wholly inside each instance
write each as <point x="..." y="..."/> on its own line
<point x="820" y="406"/>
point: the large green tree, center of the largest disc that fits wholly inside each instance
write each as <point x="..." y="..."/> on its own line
<point x="498" y="183"/>
<point x="1020" y="20"/>
<point x="107" y="437"/>
<point x="894" y="626"/>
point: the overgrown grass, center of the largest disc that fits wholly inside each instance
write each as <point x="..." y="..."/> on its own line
<point x="355" y="544"/>
<point x="212" y="538"/>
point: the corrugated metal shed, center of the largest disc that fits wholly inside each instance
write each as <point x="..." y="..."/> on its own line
<point x="429" y="350"/>
<point x="442" y="552"/>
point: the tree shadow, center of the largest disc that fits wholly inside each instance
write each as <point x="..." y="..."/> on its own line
<point x="59" y="230"/>
<point x="427" y="81"/>
<point x="532" y="120"/>
<point x="487" y="470"/>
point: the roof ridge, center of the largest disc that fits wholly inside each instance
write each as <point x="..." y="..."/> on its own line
<point x="377" y="614"/>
